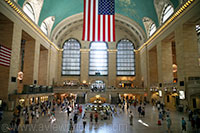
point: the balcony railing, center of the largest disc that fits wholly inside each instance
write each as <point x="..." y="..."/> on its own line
<point x="32" y="89"/>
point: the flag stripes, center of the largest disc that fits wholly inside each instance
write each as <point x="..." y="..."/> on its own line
<point x="5" y="55"/>
<point x="98" y="26"/>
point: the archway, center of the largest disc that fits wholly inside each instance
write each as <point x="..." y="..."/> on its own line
<point x="98" y="86"/>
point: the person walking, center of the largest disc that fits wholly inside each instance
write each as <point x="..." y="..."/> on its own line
<point x="91" y="117"/>
<point x="84" y="122"/>
<point x="169" y="123"/>
<point x="160" y="116"/>
<point x="70" y="126"/>
<point x="75" y="118"/>
<point x="183" y="124"/>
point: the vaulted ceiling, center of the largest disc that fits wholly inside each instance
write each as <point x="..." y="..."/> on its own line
<point x="134" y="9"/>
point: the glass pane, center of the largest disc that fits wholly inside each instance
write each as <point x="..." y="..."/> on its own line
<point x="152" y="29"/>
<point x="98" y="58"/>
<point x="44" y="28"/>
<point x="29" y="11"/>
<point x="125" y="58"/>
<point x="169" y="10"/>
<point x="198" y="29"/>
<point x="71" y="58"/>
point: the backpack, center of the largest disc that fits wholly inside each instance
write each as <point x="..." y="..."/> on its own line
<point x="183" y="122"/>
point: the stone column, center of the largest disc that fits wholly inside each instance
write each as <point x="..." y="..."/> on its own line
<point x="15" y="57"/>
<point x="167" y="62"/>
<point x="144" y="65"/>
<point x="36" y="60"/>
<point x="84" y="65"/>
<point x="186" y="52"/>
<point x="159" y="62"/>
<point x="53" y="69"/>
<point x="186" y="56"/>
<point x="144" y="71"/>
<point x="112" y="71"/>
<point x="43" y="67"/>
<point x="59" y="68"/>
<point x="29" y="58"/>
<point x="48" y="63"/>
<point x="153" y="67"/>
<point x="137" y="81"/>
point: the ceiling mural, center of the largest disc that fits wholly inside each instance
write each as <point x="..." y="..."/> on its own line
<point x="134" y="9"/>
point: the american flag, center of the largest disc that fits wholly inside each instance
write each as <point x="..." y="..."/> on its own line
<point x="5" y="54"/>
<point x="99" y="20"/>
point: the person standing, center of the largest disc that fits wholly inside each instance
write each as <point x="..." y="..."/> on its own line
<point x="139" y="110"/>
<point x="183" y="124"/>
<point x="190" y="113"/>
<point x="143" y="112"/>
<point x="96" y="117"/>
<point x="131" y="118"/>
<point x="158" y="106"/>
<point x="37" y="114"/>
<point x="197" y="123"/>
<point x="169" y="122"/>
<point x="168" y="112"/>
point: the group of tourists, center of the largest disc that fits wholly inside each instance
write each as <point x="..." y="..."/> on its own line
<point x="76" y="113"/>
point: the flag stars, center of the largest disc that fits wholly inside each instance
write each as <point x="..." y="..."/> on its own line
<point x="106" y="7"/>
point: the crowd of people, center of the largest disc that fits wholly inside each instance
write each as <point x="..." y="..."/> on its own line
<point x="94" y="114"/>
<point x="194" y="119"/>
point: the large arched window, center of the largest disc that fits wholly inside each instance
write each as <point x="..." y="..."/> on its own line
<point x="44" y="28"/>
<point x="98" y="59"/>
<point x="71" y="58"/>
<point x="167" y="12"/>
<point x="28" y="9"/>
<point x="152" y="29"/>
<point x="198" y="30"/>
<point x="125" y="58"/>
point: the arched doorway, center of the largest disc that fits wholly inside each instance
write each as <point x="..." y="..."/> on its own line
<point x="98" y="86"/>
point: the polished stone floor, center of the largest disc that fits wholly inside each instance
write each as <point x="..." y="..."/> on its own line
<point x="119" y="123"/>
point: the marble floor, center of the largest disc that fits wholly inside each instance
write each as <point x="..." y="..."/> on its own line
<point x="119" y="123"/>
